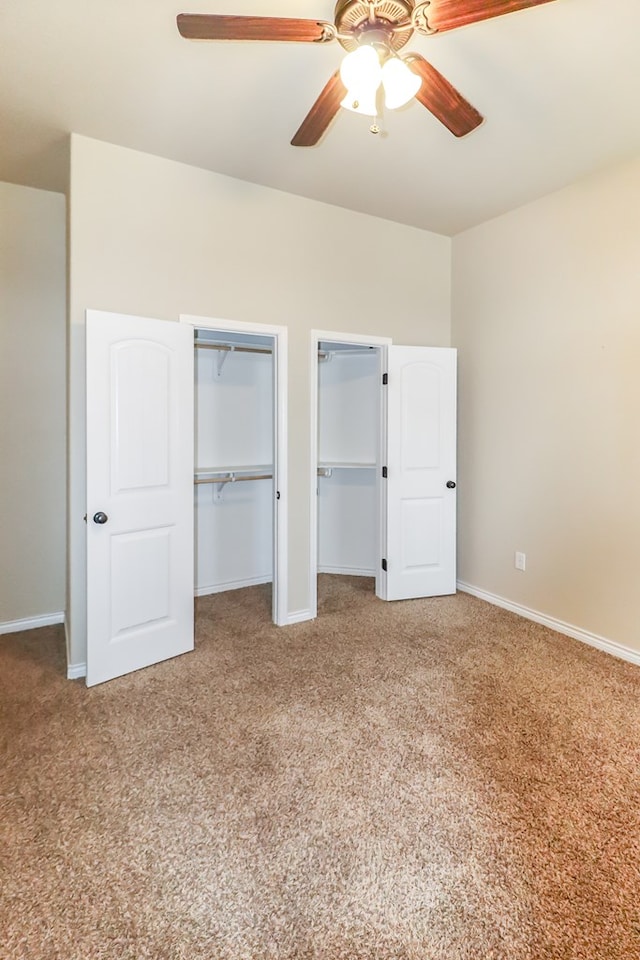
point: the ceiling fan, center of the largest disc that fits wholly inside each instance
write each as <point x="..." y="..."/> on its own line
<point x="372" y="31"/>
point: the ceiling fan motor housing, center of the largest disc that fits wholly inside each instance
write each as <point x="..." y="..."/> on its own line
<point x="353" y="21"/>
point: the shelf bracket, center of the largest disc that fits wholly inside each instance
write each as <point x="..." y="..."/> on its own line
<point x="222" y="356"/>
<point x="219" y="487"/>
<point x="325" y="472"/>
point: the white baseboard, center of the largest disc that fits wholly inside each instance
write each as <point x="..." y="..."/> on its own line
<point x="298" y="616"/>
<point x="230" y="585"/>
<point x="568" y="629"/>
<point x="31" y="623"/>
<point x="348" y="571"/>
<point x="76" y="670"/>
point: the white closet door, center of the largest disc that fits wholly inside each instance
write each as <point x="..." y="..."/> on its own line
<point x="139" y="493"/>
<point x="421" y="460"/>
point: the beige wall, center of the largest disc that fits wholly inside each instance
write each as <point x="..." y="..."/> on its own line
<point x="156" y="238"/>
<point x="546" y="316"/>
<point x="32" y="403"/>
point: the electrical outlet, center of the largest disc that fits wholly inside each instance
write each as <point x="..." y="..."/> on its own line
<point x="520" y="561"/>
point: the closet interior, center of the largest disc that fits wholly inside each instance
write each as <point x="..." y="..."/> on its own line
<point x="234" y="460"/>
<point x="349" y="438"/>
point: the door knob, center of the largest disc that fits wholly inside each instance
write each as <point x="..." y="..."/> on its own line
<point x="450" y="483"/>
<point x="100" y="517"/>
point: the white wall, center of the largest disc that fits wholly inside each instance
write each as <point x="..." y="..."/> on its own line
<point x="153" y="237"/>
<point x="546" y="311"/>
<point x="32" y="403"/>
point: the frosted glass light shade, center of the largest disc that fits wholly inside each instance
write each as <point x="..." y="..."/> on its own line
<point x="361" y="71"/>
<point x="364" y="102"/>
<point x="399" y="82"/>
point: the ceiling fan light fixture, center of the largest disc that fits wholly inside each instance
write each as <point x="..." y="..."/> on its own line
<point x="360" y="71"/>
<point x="364" y="102"/>
<point x="400" y="83"/>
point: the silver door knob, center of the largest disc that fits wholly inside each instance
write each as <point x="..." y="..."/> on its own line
<point x="100" y="517"/>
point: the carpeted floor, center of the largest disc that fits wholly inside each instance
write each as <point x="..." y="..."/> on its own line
<point x="429" y="780"/>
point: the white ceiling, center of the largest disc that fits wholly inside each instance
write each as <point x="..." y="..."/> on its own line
<point x="558" y="86"/>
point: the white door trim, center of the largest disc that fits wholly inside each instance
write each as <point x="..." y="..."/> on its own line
<point x="280" y="467"/>
<point x="316" y="337"/>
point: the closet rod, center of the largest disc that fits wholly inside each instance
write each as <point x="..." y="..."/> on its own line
<point x="232" y="479"/>
<point x="230" y="348"/>
<point x="325" y="354"/>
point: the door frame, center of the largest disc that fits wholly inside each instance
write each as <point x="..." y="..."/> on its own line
<point x="364" y="340"/>
<point x="280" y="445"/>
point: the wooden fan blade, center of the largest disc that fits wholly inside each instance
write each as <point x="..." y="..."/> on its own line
<point x="204" y="26"/>
<point x="448" y="14"/>
<point x="321" y="114"/>
<point x="443" y="100"/>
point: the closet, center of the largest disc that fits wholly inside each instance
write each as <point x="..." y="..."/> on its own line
<point x="183" y="484"/>
<point x="384" y="495"/>
<point x="349" y="458"/>
<point x="234" y="457"/>
<point x="194" y="411"/>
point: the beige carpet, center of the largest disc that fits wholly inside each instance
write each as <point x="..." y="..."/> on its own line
<point x="431" y="780"/>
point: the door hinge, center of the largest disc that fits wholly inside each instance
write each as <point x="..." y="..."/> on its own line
<point x="385" y="379"/>
<point x="277" y="494"/>
<point x="384" y="472"/>
<point x="384" y="565"/>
